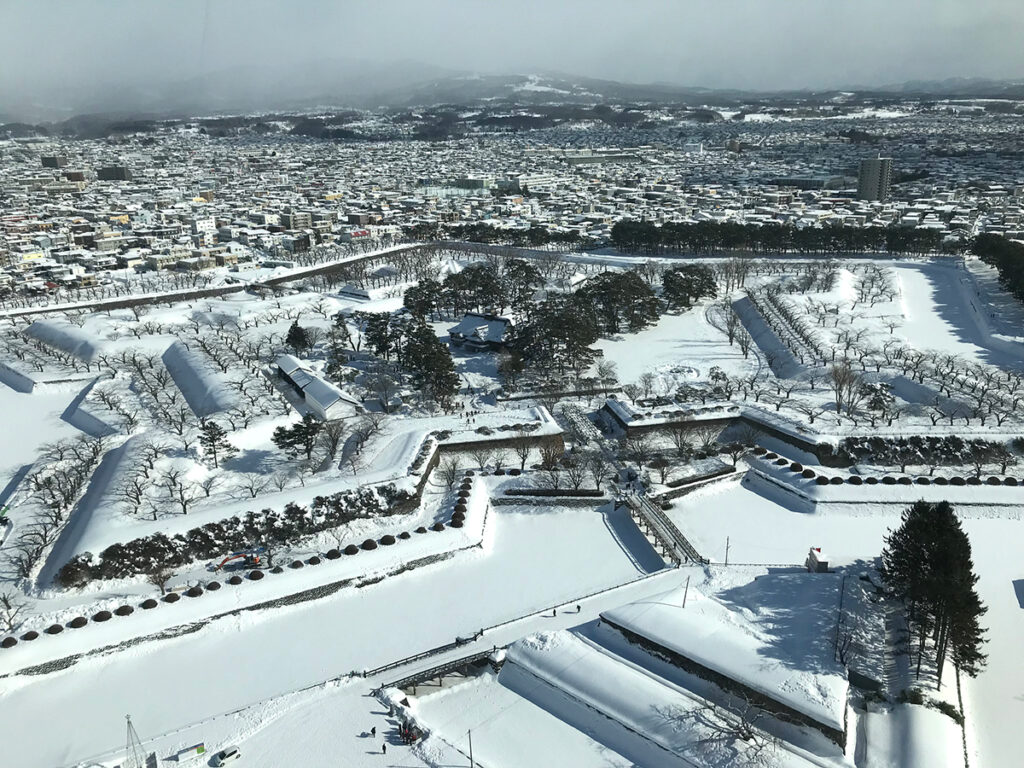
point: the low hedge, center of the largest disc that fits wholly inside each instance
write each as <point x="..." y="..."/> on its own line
<point x="771" y="455"/>
<point x="461" y="508"/>
<point x="105" y="615"/>
<point x="871" y="480"/>
<point x="1010" y="481"/>
<point x="314" y="560"/>
<point x="437" y="527"/>
<point x="332" y="554"/>
<point x="78" y="622"/>
<point x="124" y="610"/>
<point x="957" y="481"/>
<point x="587" y="493"/>
<point x="421" y="529"/>
<point x="888" y="480"/>
<point x="821" y="480"/>
<point x="974" y="481"/>
<point x="213" y="586"/>
<point x="940" y="481"/>
<point x="351" y="549"/>
<point x="780" y="462"/>
<point x="904" y="481"/>
<point x="515" y="472"/>
<point x="279" y="569"/>
<point x="194" y="592"/>
<point x="759" y="451"/>
<point x="368" y="544"/>
<point x="148" y="604"/>
<point x="855" y="480"/>
<point x="796" y="467"/>
<point x="836" y="481"/>
<point x="456" y="523"/>
<point x="809" y="473"/>
<point x="30" y="636"/>
<point x="387" y="540"/>
<point x="255" y="575"/>
<point x="54" y="629"/>
<point x="235" y="581"/>
<point x="404" y="535"/>
<point x="923" y="481"/>
<point x="296" y="564"/>
<point x="8" y="642"/>
<point x="174" y="597"/>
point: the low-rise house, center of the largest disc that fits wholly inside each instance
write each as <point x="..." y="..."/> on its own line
<point x="481" y="332"/>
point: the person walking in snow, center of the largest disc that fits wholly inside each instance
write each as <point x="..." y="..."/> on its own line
<point x="383" y="749"/>
<point x="373" y="731"/>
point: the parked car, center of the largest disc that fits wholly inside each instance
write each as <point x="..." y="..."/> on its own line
<point x="225" y="756"/>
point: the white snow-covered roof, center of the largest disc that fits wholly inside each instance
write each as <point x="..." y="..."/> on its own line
<point x="773" y="634"/>
<point x="288" y="363"/>
<point x="325" y="394"/>
<point x="481" y="327"/>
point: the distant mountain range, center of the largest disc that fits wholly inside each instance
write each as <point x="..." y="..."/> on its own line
<point x="360" y="84"/>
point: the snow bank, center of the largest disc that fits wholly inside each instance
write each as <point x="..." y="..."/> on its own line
<point x="66" y="338"/>
<point x="773" y="635"/>
<point x="205" y="390"/>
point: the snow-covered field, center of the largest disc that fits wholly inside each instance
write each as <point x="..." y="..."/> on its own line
<point x="536" y="559"/>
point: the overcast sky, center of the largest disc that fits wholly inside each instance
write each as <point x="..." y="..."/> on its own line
<point x="758" y="44"/>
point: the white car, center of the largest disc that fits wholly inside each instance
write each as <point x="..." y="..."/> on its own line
<point x="227" y="755"/>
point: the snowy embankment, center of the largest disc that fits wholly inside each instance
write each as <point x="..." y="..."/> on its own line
<point x="364" y="567"/>
<point x="205" y="389"/>
<point x="66" y="338"/>
<point x="772" y="476"/>
<point x="770" y="635"/>
<point x="630" y="709"/>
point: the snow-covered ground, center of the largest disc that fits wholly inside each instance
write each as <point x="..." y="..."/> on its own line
<point x="537" y="559"/>
<point x="760" y="529"/>
<point x="679" y="347"/>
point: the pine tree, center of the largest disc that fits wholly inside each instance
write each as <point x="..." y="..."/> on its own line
<point x="301" y="437"/>
<point x="927" y="562"/>
<point x="297" y="338"/>
<point x="215" y="443"/>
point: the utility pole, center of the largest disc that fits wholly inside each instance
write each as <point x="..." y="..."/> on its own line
<point x="471" y="763"/>
<point x="726" y="550"/>
<point x="686" y="591"/>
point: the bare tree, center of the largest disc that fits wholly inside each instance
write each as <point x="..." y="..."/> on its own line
<point x="522" y="446"/>
<point x="846" y="387"/>
<point x="12" y="607"/>
<point x="576" y="472"/>
<point x="332" y="434"/>
<point x="681" y="434"/>
<point x="448" y="470"/>
<point x="159" y="578"/>
<point x="632" y="391"/>
<point x="706" y="435"/>
<point x="481" y="455"/>
<point x="596" y="467"/>
<point x="254" y="483"/>
<point x="550" y="456"/>
<point x="638" y="448"/>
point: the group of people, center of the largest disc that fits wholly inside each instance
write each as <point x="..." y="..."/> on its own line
<point x="407" y="733"/>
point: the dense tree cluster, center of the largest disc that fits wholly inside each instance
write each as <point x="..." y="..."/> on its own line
<point x="927" y="563"/>
<point x="558" y="334"/>
<point x="478" y="287"/>
<point x="1007" y="256"/>
<point x="621" y="301"/>
<point x="268" y="528"/>
<point x="480" y="232"/>
<point x="930" y="451"/>
<point x="711" y="237"/>
<point x="681" y="286"/>
<point x="415" y="347"/>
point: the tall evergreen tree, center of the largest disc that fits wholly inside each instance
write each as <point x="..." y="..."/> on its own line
<point x="215" y="443"/>
<point x="300" y="437"/>
<point x="927" y="562"/>
<point x="297" y="338"/>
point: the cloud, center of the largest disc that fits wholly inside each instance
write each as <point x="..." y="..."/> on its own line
<point x="49" y="49"/>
